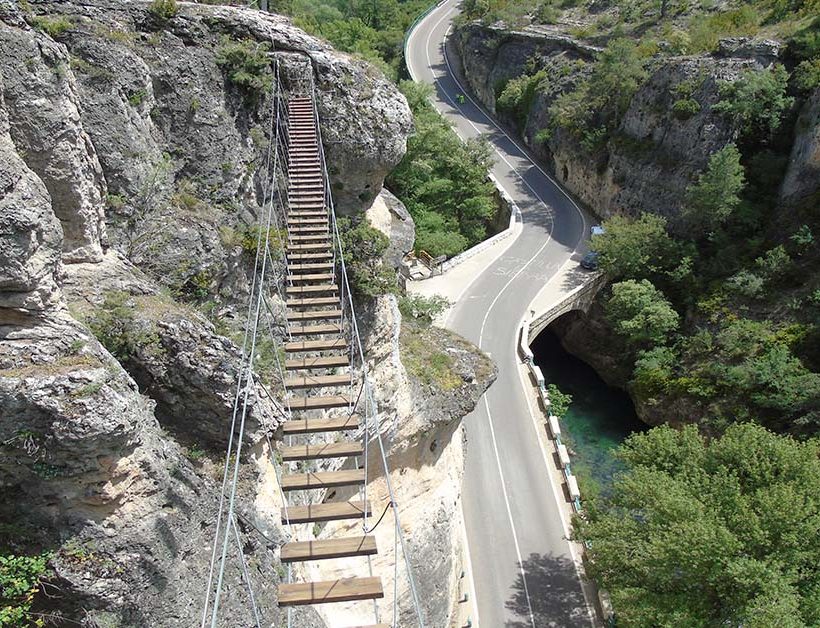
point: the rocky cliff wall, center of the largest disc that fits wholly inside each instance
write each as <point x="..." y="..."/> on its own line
<point x="129" y="178"/>
<point x="655" y="152"/>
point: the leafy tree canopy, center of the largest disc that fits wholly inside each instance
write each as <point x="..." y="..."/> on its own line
<point x="640" y="313"/>
<point x="637" y="248"/>
<point x="704" y="533"/>
<point x="756" y="101"/>
<point x="712" y="200"/>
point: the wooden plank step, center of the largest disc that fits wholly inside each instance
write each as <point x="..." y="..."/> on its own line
<point x="300" y="214"/>
<point x="333" y="511"/>
<point x="322" y="362"/>
<point x="315" y="345"/>
<point x="312" y="207"/>
<point x="317" y="426"/>
<point x="316" y="381"/>
<point x="322" y="592"/>
<point x="315" y="330"/>
<point x="323" y="402"/>
<point x="314" y="315"/>
<point x="322" y="479"/>
<point x="306" y="268"/>
<point x="308" y="237"/>
<point x="312" y="302"/>
<point x="313" y="256"/>
<point x="312" y="277"/>
<point x="322" y="450"/>
<point x="328" y="287"/>
<point x="330" y="548"/>
<point x="307" y="248"/>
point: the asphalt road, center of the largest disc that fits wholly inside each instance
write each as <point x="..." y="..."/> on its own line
<point x="524" y="575"/>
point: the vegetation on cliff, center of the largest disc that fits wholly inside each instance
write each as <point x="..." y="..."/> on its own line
<point x="710" y="533"/>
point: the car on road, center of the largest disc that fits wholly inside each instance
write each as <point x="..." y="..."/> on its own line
<point x="590" y="260"/>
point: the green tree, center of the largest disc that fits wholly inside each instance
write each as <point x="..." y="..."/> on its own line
<point x="637" y="248"/>
<point x="363" y="248"/>
<point x="712" y="200"/>
<point x="710" y="533"/>
<point x="443" y="181"/>
<point x="756" y="101"/>
<point x="640" y="313"/>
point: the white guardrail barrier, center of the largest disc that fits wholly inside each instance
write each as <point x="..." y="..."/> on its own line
<point x="553" y="422"/>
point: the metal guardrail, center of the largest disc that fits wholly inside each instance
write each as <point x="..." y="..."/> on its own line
<point x="553" y="422"/>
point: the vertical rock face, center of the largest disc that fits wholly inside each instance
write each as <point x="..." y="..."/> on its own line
<point x="802" y="179"/>
<point x="42" y="100"/>
<point x="653" y="155"/>
<point x="30" y="234"/>
<point x="121" y="114"/>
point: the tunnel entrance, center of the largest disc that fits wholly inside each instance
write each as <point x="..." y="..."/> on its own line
<point x="600" y="416"/>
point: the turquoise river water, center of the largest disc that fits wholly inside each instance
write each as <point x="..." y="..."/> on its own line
<point x="600" y="417"/>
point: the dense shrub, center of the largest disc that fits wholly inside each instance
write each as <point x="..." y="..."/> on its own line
<point x="640" y="313"/>
<point x="163" y="10"/>
<point x="363" y="248"/>
<point x="756" y="101"/>
<point x="716" y="195"/>
<point x="443" y="181"/>
<point x="247" y="65"/>
<point x="518" y="95"/>
<point x="713" y="532"/>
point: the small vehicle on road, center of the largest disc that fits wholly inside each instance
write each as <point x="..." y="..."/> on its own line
<point x="590" y="260"/>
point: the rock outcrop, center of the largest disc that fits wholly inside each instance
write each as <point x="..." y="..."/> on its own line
<point x="42" y="99"/>
<point x="389" y="215"/>
<point x="30" y="236"/>
<point x="802" y="179"/>
<point x="654" y="154"/>
<point x="113" y="121"/>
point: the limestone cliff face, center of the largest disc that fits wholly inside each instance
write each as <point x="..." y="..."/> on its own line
<point x="802" y="180"/>
<point x="654" y="154"/>
<point x="129" y="174"/>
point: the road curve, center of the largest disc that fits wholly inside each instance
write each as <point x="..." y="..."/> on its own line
<point x="524" y="573"/>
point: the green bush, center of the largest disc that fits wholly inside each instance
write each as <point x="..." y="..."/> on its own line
<point x="363" y="248"/>
<point x="640" y="313"/>
<point x="421" y="307"/>
<point x="559" y="401"/>
<point x="756" y="101"/>
<point x="746" y="283"/>
<point x="711" y="201"/>
<point x="51" y="26"/>
<point x="247" y="65"/>
<point x="518" y="95"/>
<point x="685" y="108"/>
<point x="117" y="328"/>
<point x="443" y="181"/>
<point x="710" y="531"/>
<point x="20" y="581"/>
<point x="705" y="30"/>
<point x="807" y="74"/>
<point x="163" y="10"/>
<point x="637" y="248"/>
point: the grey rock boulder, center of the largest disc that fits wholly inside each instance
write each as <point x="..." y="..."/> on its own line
<point x="30" y="235"/>
<point x="43" y="103"/>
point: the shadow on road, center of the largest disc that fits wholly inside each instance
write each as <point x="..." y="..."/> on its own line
<point x="555" y="594"/>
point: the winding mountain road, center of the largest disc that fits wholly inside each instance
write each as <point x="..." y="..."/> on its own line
<point x="524" y="568"/>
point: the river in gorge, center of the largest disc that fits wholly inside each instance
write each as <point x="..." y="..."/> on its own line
<point x="599" y="418"/>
